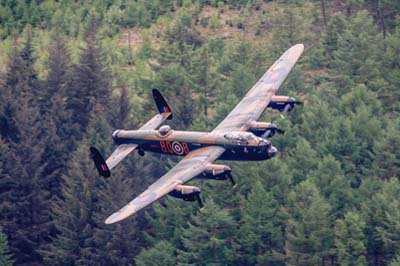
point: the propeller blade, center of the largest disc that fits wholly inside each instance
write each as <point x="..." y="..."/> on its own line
<point x="286" y="109"/>
<point x="234" y="185"/>
<point x="266" y="134"/>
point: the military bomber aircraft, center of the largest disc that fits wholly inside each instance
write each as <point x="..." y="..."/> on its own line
<point x="238" y="137"/>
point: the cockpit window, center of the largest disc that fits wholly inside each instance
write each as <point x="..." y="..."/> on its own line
<point x="164" y="130"/>
<point x="241" y="138"/>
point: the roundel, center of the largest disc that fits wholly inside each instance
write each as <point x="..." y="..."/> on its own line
<point x="146" y="198"/>
<point x="177" y="147"/>
<point x="275" y="76"/>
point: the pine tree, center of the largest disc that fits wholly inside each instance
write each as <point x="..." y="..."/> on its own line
<point x="173" y="81"/>
<point x="208" y="237"/>
<point x="382" y="221"/>
<point x="90" y="83"/>
<point x="334" y="29"/>
<point x="395" y="261"/>
<point x="390" y="224"/>
<point x="162" y="253"/>
<point x="167" y="221"/>
<point x="260" y="236"/>
<point x="73" y="214"/>
<point x="387" y="156"/>
<point x="357" y="58"/>
<point x="308" y="235"/>
<point x="350" y="240"/>
<point x="334" y="186"/>
<point x="20" y="82"/>
<point x="27" y="222"/>
<point x="388" y="93"/>
<point x="302" y="160"/>
<point x="5" y="257"/>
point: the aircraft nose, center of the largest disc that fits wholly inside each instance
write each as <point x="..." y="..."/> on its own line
<point x="272" y="151"/>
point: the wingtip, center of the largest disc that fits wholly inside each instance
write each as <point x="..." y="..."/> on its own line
<point x="113" y="218"/>
<point x="299" y="46"/>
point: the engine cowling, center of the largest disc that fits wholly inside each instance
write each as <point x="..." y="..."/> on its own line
<point x="283" y="104"/>
<point x="216" y="171"/>
<point x="187" y="193"/>
<point x="264" y="129"/>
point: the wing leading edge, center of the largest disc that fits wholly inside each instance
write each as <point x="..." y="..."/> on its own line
<point x="192" y="165"/>
<point x="251" y="107"/>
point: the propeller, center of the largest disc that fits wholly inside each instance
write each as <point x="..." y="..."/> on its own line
<point x="200" y="202"/>
<point x="272" y="129"/>
<point x="234" y="185"/>
<point x="289" y="106"/>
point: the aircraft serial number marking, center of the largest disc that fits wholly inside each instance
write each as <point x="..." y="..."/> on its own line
<point x="179" y="148"/>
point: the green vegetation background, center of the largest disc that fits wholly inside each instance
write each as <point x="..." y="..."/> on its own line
<point x="74" y="71"/>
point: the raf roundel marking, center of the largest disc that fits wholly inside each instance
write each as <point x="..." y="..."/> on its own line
<point x="177" y="147"/>
<point x="146" y="198"/>
<point x="275" y="76"/>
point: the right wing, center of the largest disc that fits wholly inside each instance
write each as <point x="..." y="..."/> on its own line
<point x="250" y="108"/>
<point x="193" y="164"/>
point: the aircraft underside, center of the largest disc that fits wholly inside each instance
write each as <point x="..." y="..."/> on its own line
<point x="233" y="152"/>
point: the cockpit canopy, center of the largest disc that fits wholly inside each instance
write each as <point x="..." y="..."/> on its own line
<point x="241" y="138"/>
<point x="164" y="130"/>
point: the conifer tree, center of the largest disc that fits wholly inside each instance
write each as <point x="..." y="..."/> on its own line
<point x="388" y="93"/>
<point x="260" y="237"/>
<point x="208" y="237"/>
<point x="334" y="186"/>
<point x="5" y="257"/>
<point x="382" y="222"/>
<point x="167" y="221"/>
<point x="359" y="52"/>
<point x="395" y="261"/>
<point x="173" y="81"/>
<point x="386" y="155"/>
<point x="90" y="83"/>
<point x="350" y="240"/>
<point x="390" y="224"/>
<point x="27" y="223"/>
<point x="302" y="161"/>
<point x="162" y="253"/>
<point x="308" y="236"/>
<point x="73" y="214"/>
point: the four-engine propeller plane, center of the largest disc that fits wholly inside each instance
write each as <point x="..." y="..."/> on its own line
<point x="238" y="137"/>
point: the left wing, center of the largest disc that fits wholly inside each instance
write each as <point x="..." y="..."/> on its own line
<point x="193" y="164"/>
<point x="257" y="99"/>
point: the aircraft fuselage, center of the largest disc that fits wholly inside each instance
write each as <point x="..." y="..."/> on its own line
<point x="239" y="146"/>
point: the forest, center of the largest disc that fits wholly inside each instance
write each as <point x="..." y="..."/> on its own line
<point x="73" y="71"/>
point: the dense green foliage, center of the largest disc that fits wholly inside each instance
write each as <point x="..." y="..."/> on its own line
<point x="73" y="71"/>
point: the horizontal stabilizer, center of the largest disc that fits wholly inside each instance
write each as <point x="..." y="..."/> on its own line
<point x="162" y="105"/>
<point x="120" y="153"/>
<point x="101" y="165"/>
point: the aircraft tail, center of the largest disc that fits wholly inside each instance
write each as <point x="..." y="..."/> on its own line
<point x="99" y="162"/>
<point x="162" y="105"/>
<point x="123" y="149"/>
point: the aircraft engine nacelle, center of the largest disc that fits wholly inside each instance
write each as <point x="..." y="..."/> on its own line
<point x="187" y="193"/>
<point x="216" y="171"/>
<point x="265" y="129"/>
<point x="283" y="104"/>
